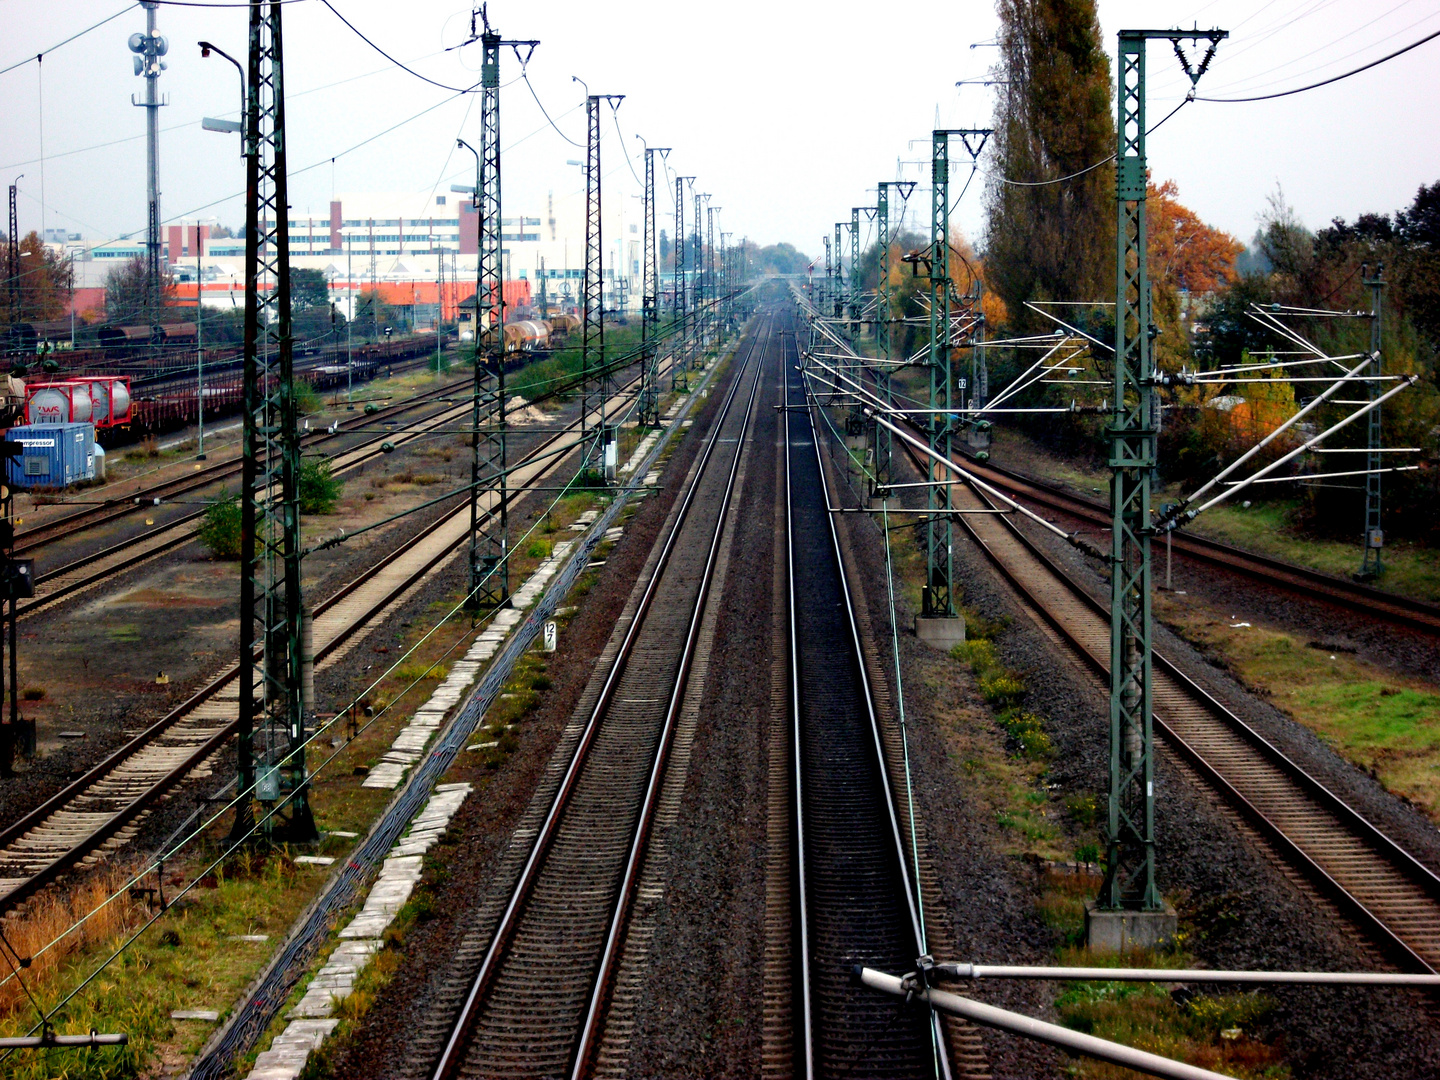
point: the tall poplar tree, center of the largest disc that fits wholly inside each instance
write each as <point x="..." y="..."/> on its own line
<point x="1054" y="118"/>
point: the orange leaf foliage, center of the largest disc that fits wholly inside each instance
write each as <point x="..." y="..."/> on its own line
<point x="1185" y="253"/>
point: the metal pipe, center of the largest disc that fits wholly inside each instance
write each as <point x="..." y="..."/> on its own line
<point x="1074" y="1042"/>
<point x="1184" y="975"/>
<point x="1313" y="404"/>
<point x="1411" y="380"/>
<point x="40" y="1041"/>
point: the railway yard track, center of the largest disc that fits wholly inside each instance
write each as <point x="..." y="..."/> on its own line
<point x="1391" y="896"/>
<point x="104" y="808"/>
<point x="149" y="496"/>
<point x="533" y="981"/>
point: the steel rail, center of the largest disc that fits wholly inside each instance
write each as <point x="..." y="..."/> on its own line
<point x="856" y="649"/>
<point x="1352" y="595"/>
<point x="144" y="498"/>
<point x="120" y="756"/>
<point x="501" y="939"/>
<point x="1384" y="848"/>
<point x="591" y="1031"/>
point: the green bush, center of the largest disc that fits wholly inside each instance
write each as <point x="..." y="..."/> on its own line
<point x="1028" y="730"/>
<point x="319" y="488"/>
<point x="220" y="527"/>
<point x="307" y="399"/>
<point x="1001" y="688"/>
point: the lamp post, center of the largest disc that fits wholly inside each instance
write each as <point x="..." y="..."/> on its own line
<point x="226" y="126"/>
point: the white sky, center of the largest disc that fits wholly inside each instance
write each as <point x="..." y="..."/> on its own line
<point x="786" y="111"/>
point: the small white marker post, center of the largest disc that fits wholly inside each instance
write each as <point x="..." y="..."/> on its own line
<point x="552" y="635"/>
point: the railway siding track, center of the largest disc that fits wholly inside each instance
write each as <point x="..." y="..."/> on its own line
<point x="102" y="809"/>
<point x="1393" y="897"/>
<point x="530" y="985"/>
<point x="1352" y="595"/>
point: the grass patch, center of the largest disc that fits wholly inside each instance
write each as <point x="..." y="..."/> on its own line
<point x="1380" y="722"/>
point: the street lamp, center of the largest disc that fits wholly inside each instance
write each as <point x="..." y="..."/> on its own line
<point x="228" y="127"/>
<point x="479" y="258"/>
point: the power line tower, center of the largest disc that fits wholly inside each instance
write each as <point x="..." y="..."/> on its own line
<point x="854" y="295"/>
<point x="698" y="288"/>
<point x="649" y="412"/>
<point x="1130" y="823"/>
<point x="12" y="252"/>
<point x="882" y="440"/>
<point x="1371" y="563"/>
<point x="678" y="379"/>
<point x="838" y="305"/>
<point x="712" y="317"/>
<point x="489" y="463"/>
<point x="937" y="598"/>
<point x="592" y="341"/>
<point x="273" y="684"/>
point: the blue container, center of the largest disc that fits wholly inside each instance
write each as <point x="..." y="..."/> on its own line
<point x="52" y="455"/>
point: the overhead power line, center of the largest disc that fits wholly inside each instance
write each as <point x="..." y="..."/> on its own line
<point x="423" y="78"/>
<point x="72" y="37"/>
<point x="1326" y="82"/>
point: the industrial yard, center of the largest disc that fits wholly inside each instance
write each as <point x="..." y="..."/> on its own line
<point x="789" y="576"/>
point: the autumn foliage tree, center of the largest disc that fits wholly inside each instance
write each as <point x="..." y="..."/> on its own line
<point x="43" y="279"/>
<point x="1187" y="259"/>
<point x="1051" y="240"/>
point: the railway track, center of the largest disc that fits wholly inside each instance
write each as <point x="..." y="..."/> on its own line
<point x="856" y="902"/>
<point x="105" y="807"/>
<point x="1384" y="890"/>
<point x="538" y="971"/>
<point x="1312" y="584"/>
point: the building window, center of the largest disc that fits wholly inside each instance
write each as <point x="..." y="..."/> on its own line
<point x="439" y="200"/>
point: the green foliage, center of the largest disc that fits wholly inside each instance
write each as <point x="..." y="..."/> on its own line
<point x="1053" y="119"/>
<point x="319" y="487"/>
<point x="308" y="289"/>
<point x="220" y="527"/>
<point x="307" y="399"/>
<point x="1002" y="688"/>
<point x="1028" y="731"/>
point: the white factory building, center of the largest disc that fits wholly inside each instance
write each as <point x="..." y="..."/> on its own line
<point x="391" y="239"/>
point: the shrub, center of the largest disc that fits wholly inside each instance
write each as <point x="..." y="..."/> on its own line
<point x="539" y="549"/>
<point x="33" y="693"/>
<point x="1028" y="730"/>
<point x="307" y="399"/>
<point x="220" y="528"/>
<point x="1001" y="688"/>
<point x="319" y="489"/>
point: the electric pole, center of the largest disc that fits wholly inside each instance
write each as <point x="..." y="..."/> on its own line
<point x="649" y="412"/>
<point x="697" y="357"/>
<point x="1371" y="563"/>
<point x="937" y="597"/>
<point x="1130" y="822"/>
<point x="12" y="250"/>
<point x="678" y="379"/>
<point x="270" y="685"/>
<point x="592" y="342"/>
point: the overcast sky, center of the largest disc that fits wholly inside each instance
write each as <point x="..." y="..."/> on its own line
<point x="786" y="111"/>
